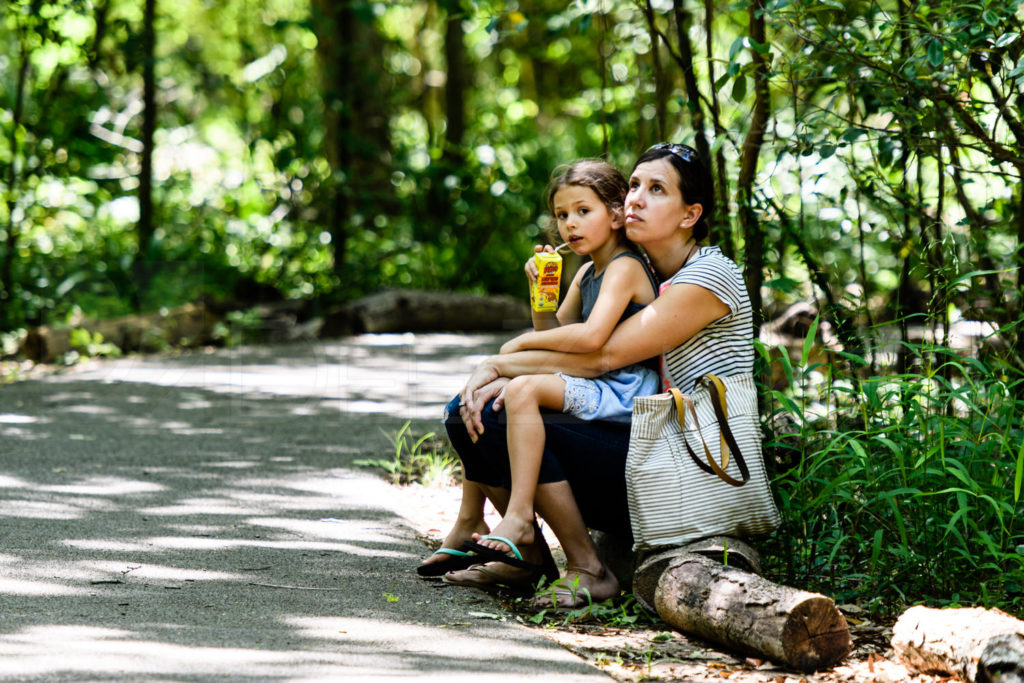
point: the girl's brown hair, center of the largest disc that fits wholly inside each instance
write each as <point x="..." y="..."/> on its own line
<point x="605" y="180"/>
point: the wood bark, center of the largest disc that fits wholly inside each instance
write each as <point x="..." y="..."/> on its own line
<point x="186" y="325"/>
<point x="458" y="81"/>
<point x="726" y="550"/>
<point x="403" y="310"/>
<point x="753" y="238"/>
<point x="146" y="223"/>
<point x="8" y="301"/>
<point x="973" y="644"/>
<point x="751" y="615"/>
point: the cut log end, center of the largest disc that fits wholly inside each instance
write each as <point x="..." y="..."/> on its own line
<point x="1002" y="660"/>
<point x="815" y="634"/>
<point x="971" y="643"/>
<point x="750" y="614"/>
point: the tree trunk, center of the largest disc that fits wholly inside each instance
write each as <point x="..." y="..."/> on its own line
<point x="143" y="264"/>
<point x="661" y="83"/>
<point x="8" y="301"/>
<point x="700" y="141"/>
<point x="752" y="615"/>
<point x="355" y="119"/>
<point x="974" y="644"/>
<point x="457" y="83"/>
<point x="752" y="236"/>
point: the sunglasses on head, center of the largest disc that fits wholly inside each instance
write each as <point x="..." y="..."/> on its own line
<point x="684" y="152"/>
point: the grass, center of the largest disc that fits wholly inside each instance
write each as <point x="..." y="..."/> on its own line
<point x="425" y="460"/>
<point x="904" y="488"/>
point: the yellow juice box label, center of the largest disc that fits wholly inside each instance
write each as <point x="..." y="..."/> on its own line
<point x="544" y="292"/>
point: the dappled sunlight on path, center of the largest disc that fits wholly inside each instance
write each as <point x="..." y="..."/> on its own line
<point x="154" y="527"/>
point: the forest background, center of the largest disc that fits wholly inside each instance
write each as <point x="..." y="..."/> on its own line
<point x="867" y="154"/>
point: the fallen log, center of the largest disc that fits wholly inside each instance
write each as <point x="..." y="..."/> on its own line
<point x="407" y="310"/>
<point x="749" y="614"/>
<point x="973" y="644"/>
<point x="732" y="552"/>
<point x="182" y="326"/>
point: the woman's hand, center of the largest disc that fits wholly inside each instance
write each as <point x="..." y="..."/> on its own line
<point x="483" y="384"/>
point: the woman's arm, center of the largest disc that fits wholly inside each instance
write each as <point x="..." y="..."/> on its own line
<point x="671" y="319"/>
<point x="624" y="280"/>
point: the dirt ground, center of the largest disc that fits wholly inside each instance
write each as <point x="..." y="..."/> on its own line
<point x="659" y="653"/>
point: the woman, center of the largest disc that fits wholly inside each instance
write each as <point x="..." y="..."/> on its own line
<point x="701" y="323"/>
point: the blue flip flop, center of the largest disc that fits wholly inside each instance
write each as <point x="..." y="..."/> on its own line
<point x="457" y="560"/>
<point x="548" y="569"/>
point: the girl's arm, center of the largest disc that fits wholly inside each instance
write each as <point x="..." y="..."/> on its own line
<point x="624" y="280"/>
<point x="675" y="316"/>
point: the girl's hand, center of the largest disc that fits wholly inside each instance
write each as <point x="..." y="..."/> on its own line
<point x="511" y="346"/>
<point x="531" y="267"/>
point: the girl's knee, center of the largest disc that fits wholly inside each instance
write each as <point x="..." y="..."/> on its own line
<point x="518" y="391"/>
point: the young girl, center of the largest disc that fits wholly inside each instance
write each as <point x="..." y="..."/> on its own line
<point x="586" y="201"/>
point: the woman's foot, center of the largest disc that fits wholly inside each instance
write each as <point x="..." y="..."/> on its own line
<point x="577" y="588"/>
<point x="518" y="530"/>
<point x="537" y="562"/>
<point x="462" y="531"/>
<point x="493" y="575"/>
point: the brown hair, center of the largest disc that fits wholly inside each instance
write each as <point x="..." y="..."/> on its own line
<point x="605" y="180"/>
<point x="695" y="182"/>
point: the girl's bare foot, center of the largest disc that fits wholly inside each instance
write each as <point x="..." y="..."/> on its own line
<point x="464" y="530"/>
<point x="519" y="530"/>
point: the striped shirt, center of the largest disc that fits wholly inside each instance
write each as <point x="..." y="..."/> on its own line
<point x="726" y="346"/>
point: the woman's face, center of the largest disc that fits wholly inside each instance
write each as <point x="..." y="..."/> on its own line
<point x="655" y="210"/>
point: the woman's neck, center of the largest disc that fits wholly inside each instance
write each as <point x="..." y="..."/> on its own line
<point x="669" y="258"/>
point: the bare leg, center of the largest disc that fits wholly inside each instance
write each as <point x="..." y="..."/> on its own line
<point x="499" y="572"/>
<point x="524" y="397"/>
<point x="584" y="571"/>
<point x="469" y="522"/>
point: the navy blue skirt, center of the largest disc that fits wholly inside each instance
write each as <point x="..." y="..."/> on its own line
<point x="590" y="455"/>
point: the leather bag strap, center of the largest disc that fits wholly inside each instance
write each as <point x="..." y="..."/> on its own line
<point x="716" y="389"/>
<point x="721" y="408"/>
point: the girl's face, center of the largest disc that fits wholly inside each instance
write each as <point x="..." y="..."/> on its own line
<point x="584" y="221"/>
<point x="655" y="209"/>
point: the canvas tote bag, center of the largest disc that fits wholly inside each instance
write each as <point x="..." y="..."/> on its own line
<point x="694" y="467"/>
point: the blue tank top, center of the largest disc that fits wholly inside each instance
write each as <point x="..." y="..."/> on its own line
<point x="590" y="287"/>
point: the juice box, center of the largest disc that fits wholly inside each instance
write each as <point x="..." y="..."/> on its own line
<point x="544" y="292"/>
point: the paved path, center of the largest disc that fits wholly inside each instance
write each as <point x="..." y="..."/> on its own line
<point x="198" y="518"/>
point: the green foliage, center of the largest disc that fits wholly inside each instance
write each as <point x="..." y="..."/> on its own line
<point x="901" y="488"/>
<point x="422" y="460"/>
<point x="887" y="187"/>
<point x="619" y="612"/>
<point x="86" y="344"/>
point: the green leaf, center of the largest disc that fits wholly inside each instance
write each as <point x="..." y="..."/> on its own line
<point x="990" y="17"/>
<point x="1006" y="39"/>
<point x="736" y="47"/>
<point x="739" y="88"/>
<point x="1019" y="476"/>
<point x="851" y="134"/>
<point x="825" y="151"/>
<point x="935" y="52"/>
<point x="974" y="274"/>
<point x="812" y="333"/>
